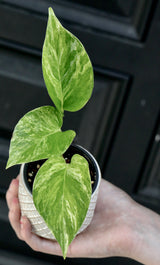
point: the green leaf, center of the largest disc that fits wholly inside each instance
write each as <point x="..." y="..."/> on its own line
<point x="38" y="136"/>
<point x="67" y="69"/>
<point x="61" y="194"/>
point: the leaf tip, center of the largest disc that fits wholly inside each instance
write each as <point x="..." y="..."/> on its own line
<point x="74" y="134"/>
<point x="64" y="251"/>
<point x="8" y="165"/>
<point x="50" y="10"/>
<point x="11" y="163"/>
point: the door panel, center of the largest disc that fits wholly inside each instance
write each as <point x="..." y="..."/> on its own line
<point x="120" y="124"/>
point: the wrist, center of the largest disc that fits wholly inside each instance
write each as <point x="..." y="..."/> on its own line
<point x="144" y="236"/>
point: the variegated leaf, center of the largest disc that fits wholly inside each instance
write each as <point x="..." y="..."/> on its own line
<point x="38" y="136"/>
<point x="61" y="194"/>
<point x="67" y="69"/>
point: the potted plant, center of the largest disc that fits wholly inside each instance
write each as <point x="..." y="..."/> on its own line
<point x="55" y="190"/>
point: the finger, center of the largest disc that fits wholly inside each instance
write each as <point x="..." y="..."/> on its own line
<point x="37" y="243"/>
<point x="14" y="217"/>
<point x="12" y="192"/>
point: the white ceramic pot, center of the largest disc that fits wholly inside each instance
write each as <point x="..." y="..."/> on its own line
<point x="28" y="208"/>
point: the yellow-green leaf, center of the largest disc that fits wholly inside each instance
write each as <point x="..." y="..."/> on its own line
<point x="38" y="136"/>
<point x="67" y="70"/>
<point x="61" y="194"/>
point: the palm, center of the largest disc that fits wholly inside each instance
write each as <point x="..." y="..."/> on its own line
<point x="111" y="218"/>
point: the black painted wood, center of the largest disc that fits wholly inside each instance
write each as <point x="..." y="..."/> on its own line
<point x="120" y="124"/>
<point x="128" y="20"/>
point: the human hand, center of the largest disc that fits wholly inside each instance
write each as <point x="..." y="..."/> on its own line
<point x="120" y="227"/>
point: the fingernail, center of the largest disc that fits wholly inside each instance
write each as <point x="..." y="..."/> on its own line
<point x="21" y="220"/>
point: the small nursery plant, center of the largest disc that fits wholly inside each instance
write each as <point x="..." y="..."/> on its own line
<point x="61" y="191"/>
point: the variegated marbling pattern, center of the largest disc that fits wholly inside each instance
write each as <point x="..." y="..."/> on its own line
<point x="38" y="224"/>
<point x="67" y="69"/>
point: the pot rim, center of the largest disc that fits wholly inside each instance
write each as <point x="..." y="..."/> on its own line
<point x="88" y="155"/>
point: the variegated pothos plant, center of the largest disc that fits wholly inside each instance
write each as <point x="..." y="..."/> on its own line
<point x="61" y="191"/>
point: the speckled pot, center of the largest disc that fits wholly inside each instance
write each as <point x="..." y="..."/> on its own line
<point x="28" y="208"/>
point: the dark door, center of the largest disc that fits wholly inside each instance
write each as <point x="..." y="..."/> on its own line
<point x="122" y="119"/>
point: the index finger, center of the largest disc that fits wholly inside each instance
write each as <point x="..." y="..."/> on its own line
<point x="12" y="192"/>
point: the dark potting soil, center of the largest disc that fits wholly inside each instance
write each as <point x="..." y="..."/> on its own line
<point x="33" y="167"/>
